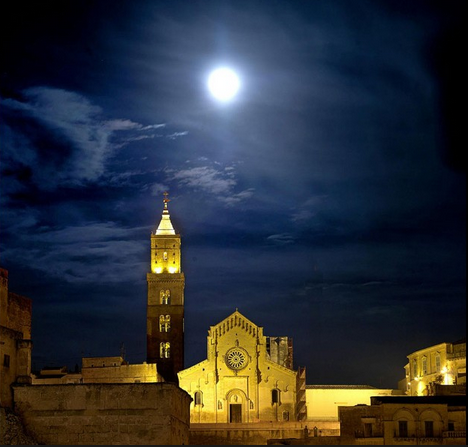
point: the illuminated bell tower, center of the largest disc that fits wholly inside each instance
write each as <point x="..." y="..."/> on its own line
<point x="165" y="307"/>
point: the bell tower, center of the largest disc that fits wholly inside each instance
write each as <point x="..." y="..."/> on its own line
<point x="165" y="305"/>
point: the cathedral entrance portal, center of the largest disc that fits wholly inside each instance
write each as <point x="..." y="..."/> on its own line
<point x="235" y="413"/>
<point x="236" y="406"/>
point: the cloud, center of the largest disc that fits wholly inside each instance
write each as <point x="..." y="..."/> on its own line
<point x="218" y="182"/>
<point x="175" y="135"/>
<point x="158" y="188"/>
<point x="204" y="178"/>
<point x="233" y="199"/>
<point x="94" y="252"/>
<point x="281" y="239"/>
<point x="67" y="141"/>
<point x="70" y="141"/>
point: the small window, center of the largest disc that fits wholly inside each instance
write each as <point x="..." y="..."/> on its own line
<point x="198" y="398"/>
<point x="424" y="366"/>
<point x="415" y="368"/>
<point x="6" y="360"/>
<point x="285" y="416"/>
<point x="164" y="323"/>
<point x="403" y="429"/>
<point x="275" y="396"/>
<point x="165" y="296"/>
<point x="165" y="350"/>
<point x="429" y="429"/>
<point x="165" y="256"/>
<point x="451" y="426"/>
<point x="437" y="362"/>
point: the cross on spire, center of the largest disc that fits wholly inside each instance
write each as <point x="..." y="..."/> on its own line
<point x="165" y="200"/>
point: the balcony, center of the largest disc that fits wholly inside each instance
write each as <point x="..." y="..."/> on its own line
<point x="454" y="434"/>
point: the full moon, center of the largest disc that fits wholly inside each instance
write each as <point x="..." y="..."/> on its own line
<point x="223" y="84"/>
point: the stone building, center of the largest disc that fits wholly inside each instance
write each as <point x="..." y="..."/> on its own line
<point x="438" y="369"/>
<point x="100" y="370"/>
<point x="15" y="340"/>
<point x="238" y="382"/>
<point x="405" y="420"/>
<point x="165" y="303"/>
<point x="323" y="401"/>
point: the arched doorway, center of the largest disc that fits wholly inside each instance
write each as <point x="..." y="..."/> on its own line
<point x="237" y="406"/>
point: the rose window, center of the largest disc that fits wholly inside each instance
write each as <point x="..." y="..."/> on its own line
<point x="236" y="358"/>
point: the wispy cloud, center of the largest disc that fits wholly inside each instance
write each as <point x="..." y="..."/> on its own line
<point x="281" y="239"/>
<point x="218" y="182"/>
<point x="69" y="141"/>
<point x="174" y="135"/>
<point x="95" y="252"/>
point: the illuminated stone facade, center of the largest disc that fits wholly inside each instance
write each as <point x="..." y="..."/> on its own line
<point x="238" y="383"/>
<point x="15" y="339"/>
<point x="165" y="304"/>
<point x="323" y="401"/>
<point x="101" y="370"/>
<point x="405" y="420"/>
<point x="431" y="370"/>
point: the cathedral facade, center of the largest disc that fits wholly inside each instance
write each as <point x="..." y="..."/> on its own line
<point x="238" y="382"/>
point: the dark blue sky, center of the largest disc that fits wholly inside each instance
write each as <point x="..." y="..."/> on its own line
<point x="327" y="202"/>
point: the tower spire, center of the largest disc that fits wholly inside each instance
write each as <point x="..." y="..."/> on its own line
<point x="165" y="227"/>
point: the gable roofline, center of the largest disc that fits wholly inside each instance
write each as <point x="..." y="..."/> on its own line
<point x="239" y="320"/>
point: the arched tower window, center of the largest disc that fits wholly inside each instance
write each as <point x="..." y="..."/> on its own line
<point x="165" y="296"/>
<point x="165" y="350"/>
<point x="164" y="323"/>
<point x="198" y="398"/>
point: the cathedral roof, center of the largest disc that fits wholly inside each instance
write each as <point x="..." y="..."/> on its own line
<point x="165" y="227"/>
<point x="236" y="319"/>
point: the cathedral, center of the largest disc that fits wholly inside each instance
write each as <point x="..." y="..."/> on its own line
<point x="247" y="377"/>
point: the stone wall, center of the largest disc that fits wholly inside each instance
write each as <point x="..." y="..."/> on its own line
<point x="263" y="433"/>
<point x="12" y="431"/>
<point x="15" y="343"/>
<point x="105" y="414"/>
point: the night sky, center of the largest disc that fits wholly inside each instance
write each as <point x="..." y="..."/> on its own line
<point x="326" y="201"/>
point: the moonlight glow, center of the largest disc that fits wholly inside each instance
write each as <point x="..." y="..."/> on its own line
<point x="223" y="84"/>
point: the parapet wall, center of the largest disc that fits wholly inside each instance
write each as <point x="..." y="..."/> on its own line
<point x="105" y="414"/>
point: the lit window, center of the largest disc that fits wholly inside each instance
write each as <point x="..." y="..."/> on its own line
<point x="198" y="398"/>
<point x="165" y="296"/>
<point x="424" y="366"/>
<point x="165" y="350"/>
<point x="164" y="323"/>
<point x="437" y="362"/>
<point x="429" y="429"/>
